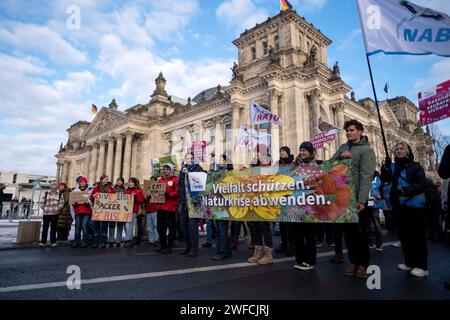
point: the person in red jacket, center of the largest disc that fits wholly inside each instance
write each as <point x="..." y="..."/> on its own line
<point x="166" y="211"/>
<point x="138" y="193"/>
<point x="82" y="213"/>
<point x="101" y="227"/>
<point x="151" y="210"/>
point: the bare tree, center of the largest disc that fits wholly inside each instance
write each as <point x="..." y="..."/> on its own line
<point x="440" y="142"/>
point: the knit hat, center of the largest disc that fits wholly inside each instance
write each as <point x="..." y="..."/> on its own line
<point x="308" y="146"/>
<point x="78" y="179"/>
<point x="171" y="166"/>
<point x="286" y="149"/>
<point x="82" y="179"/>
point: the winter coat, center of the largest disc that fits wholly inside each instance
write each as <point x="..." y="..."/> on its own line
<point x="363" y="166"/>
<point x="65" y="218"/>
<point x="182" y="179"/>
<point x="288" y="160"/>
<point x="444" y="173"/>
<point x="139" y="199"/>
<point x="82" y="208"/>
<point x="172" y="194"/>
<point x="407" y="184"/>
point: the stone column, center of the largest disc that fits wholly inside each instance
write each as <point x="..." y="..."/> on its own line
<point x="110" y="158"/>
<point x="101" y="159"/>
<point x="66" y="171"/>
<point x="87" y="162"/>
<point x="93" y="164"/>
<point x="127" y="157"/>
<point x="235" y="126"/>
<point x="118" y="157"/>
<point x="134" y="155"/>
<point x="340" y="123"/>
<point x="58" y="172"/>
<point x="218" y="148"/>
<point x="274" y="128"/>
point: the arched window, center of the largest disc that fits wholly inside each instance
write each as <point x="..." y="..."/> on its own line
<point x="276" y="41"/>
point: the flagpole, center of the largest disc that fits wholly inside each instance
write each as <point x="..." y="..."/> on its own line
<point x="388" y="159"/>
<point x="251" y="131"/>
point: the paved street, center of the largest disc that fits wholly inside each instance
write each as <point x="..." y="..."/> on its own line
<point x="139" y="273"/>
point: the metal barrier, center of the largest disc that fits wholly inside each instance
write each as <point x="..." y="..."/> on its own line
<point x="20" y="211"/>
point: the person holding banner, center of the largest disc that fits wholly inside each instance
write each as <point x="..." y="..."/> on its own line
<point x="305" y="234"/>
<point x="358" y="149"/>
<point x="286" y="228"/>
<point x="189" y="226"/>
<point x="407" y="196"/>
<point x="152" y="220"/>
<point x="101" y="227"/>
<point x="138" y="194"/>
<point x="116" y="227"/>
<point x="166" y="211"/>
<point x="261" y="229"/>
<point x="223" y="247"/>
<point x="82" y="213"/>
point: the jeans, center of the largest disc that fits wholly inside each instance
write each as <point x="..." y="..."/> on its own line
<point x="113" y="226"/>
<point x="374" y="220"/>
<point x="129" y="226"/>
<point x="209" y="230"/>
<point x="152" y="221"/>
<point x="140" y="227"/>
<point x="101" y="231"/>
<point x="52" y="221"/>
<point x="223" y="247"/>
<point x="81" y="223"/>
<point x="260" y="230"/>
<point x="190" y="228"/>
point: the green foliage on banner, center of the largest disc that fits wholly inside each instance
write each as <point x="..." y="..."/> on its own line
<point x="305" y="193"/>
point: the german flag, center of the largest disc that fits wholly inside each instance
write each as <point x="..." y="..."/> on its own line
<point x="94" y="108"/>
<point x="285" y="5"/>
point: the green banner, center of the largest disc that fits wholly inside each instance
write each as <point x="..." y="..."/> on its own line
<point x="289" y="193"/>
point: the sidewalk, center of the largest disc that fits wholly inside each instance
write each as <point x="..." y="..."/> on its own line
<point x="8" y="234"/>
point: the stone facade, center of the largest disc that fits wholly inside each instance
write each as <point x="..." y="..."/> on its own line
<point x="282" y="65"/>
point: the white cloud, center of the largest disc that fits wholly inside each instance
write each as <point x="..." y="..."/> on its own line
<point x="439" y="72"/>
<point x="241" y="14"/>
<point x="42" y="40"/>
<point x="308" y="6"/>
<point x="136" y="70"/>
<point x="352" y="41"/>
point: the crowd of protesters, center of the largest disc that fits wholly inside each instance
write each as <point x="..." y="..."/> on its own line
<point x="412" y="207"/>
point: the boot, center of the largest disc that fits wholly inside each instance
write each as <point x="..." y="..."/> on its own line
<point x="193" y="252"/>
<point x="267" y="258"/>
<point x="185" y="251"/>
<point x="257" y="254"/>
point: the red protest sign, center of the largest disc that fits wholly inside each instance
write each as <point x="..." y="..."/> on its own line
<point x="434" y="103"/>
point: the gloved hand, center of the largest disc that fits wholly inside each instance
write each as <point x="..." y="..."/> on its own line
<point x="386" y="171"/>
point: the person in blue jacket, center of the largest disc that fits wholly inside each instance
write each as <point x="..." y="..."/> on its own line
<point x="407" y="197"/>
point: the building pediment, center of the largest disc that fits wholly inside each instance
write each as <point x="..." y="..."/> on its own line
<point x="107" y="118"/>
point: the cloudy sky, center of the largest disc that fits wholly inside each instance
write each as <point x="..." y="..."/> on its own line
<point x="52" y="71"/>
